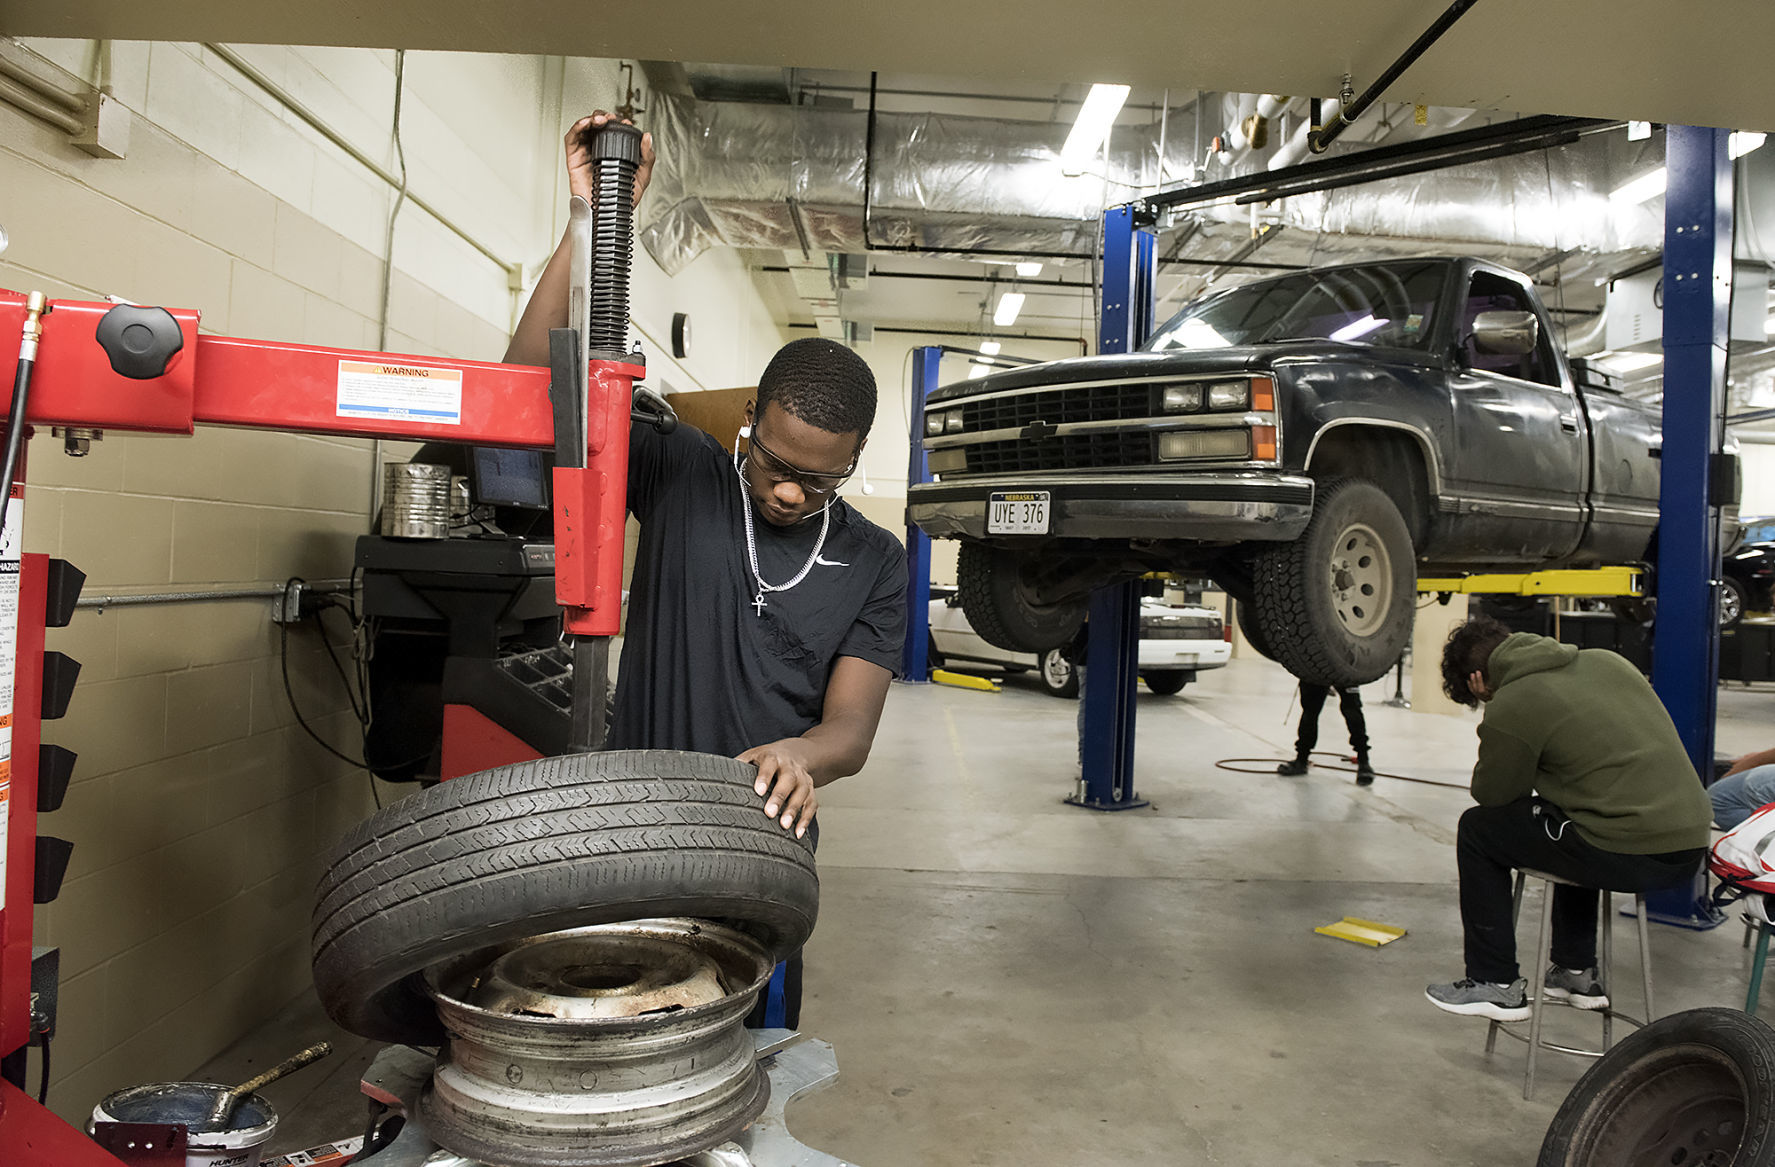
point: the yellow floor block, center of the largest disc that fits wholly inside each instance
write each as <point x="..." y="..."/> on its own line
<point x="1361" y="931"/>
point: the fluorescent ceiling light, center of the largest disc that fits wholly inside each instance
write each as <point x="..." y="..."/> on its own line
<point x="978" y="371"/>
<point x="990" y="347"/>
<point x="1646" y="186"/>
<point x="1357" y="328"/>
<point x="1769" y="326"/>
<point x="1009" y="305"/>
<point x="1741" y="142"/>
<point x="1095" y="117"/>
<point x="1029" y="270"/>
<point x="1638" y="131"/>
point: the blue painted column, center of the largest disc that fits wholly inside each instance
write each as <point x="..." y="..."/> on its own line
<point x="1697" y="299"/>
<point x="1112" y="654"/>
<point x="915" y="664"/>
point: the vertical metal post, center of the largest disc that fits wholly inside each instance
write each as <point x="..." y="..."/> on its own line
<point x="1112" y="654"/>
<point x="915" y="664"/>
<point x="1697" y="299"/>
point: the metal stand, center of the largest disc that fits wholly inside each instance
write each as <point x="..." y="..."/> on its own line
<point x="1697" y="297"/>
<point x="915" y="657"/>
<point x="1106" y="750"/>
<point x="1397" y="700"/>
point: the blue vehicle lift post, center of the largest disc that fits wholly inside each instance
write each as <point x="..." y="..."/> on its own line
<point x="1112" y="654"/>
<point x="915" y="662"/>
<point x="1697" y="299"/>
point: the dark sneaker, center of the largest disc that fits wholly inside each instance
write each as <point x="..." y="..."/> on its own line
<point x="1292" y="769"/>
<point x="1482" y="999"/>
<point x="1364" y="772"/>
<point x="1580" y="986"/>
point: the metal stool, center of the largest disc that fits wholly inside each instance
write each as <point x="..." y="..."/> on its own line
<point x="1538" y="971"/>
<point x="1762" y="931"/>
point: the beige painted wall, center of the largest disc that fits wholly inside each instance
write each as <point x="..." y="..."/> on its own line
<point x="200" y="813"/>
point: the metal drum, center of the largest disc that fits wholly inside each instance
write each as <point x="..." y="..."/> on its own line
<point x="620" y="1044"/>
<point x="415" y="500"/>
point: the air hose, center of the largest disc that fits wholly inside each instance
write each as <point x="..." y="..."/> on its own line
<point x="21" y="388"/>
<point x="616" y="157"/>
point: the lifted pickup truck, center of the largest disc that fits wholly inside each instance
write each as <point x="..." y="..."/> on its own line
<point x="1310" y="443"/>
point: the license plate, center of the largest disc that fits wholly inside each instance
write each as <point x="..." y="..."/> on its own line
<point x="1017" y="512"/>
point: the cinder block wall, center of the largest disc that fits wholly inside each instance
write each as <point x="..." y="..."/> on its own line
<point x="200" y="812"/>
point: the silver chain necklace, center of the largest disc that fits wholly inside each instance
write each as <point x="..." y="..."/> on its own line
<point x="752" y="544"/>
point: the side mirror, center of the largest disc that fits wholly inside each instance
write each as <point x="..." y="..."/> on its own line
<point x="1508" y="333"/>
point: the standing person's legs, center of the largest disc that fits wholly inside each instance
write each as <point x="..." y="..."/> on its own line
<point x="1350" y="702"/>
<point x="1312" y="701"/>
<point x="1738" y="796"/>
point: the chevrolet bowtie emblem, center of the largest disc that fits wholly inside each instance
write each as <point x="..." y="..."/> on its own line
<point x="1037" y="430"/>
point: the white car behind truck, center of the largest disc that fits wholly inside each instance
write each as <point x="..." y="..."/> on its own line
<point x="1176" y="642"/>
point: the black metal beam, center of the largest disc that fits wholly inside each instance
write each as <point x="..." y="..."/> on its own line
<point x="1323" y="136"/>
<point x="1517" y="136"/>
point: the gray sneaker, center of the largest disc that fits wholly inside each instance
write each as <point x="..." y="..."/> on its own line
<point x="1482" y="999"/>
<point x="1582" y="987"/>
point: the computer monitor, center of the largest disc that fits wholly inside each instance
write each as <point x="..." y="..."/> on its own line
<point x="509" y="478"/>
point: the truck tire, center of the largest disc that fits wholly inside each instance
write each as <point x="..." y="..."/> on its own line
<point x="1695" y="1087"/>
<point x="1335" y="605"/>
<point x="539" y="847"/>
<point x="1000" y="609"/>
<point x="1167" y="682"/>
<point x="1059" y="676"/>
<point x="1246" y="615"/>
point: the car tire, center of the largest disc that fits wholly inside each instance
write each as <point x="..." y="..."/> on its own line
<point x="539" y="847"/>
<point x="1335" y="605"/>
<point x="1732" y="602"/>
<point x="1682" y="1090"/>
<point x="1000" y="609"/>
<point x="1166" y="682"/>
<point x="1059" y="676"/>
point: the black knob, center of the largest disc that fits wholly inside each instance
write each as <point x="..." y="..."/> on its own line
<point x="139" y="341"/>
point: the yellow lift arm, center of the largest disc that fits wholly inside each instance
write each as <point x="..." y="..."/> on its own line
<point x="1598" y="581"/>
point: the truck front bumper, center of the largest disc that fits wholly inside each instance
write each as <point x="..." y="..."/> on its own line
<point x="1231" y="507"/>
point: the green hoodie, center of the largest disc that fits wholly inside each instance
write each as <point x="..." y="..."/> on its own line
<point x="1587" y="732"/>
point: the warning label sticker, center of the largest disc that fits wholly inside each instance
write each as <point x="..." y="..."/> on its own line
<point x="400" y="392"/>
<point x="10" y="538"/>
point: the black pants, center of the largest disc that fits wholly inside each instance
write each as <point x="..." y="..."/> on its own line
<point x="1495" y="840"/>
<point x="1312" y="701"/>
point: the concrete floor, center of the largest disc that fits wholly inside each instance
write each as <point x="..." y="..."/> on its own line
<point x="1009" y="980"/>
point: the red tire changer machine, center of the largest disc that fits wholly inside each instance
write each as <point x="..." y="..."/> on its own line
<point x="102" y="366"/>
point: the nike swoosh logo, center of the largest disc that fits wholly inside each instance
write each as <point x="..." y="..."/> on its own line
<point x="824" y="562"/>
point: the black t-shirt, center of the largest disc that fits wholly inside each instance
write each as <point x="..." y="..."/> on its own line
<point x="702" y="669"/>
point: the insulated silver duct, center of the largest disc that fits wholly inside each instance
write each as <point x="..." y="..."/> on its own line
<point x="791" y="178"/>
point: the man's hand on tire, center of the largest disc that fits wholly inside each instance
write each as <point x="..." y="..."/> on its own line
<point x="786" y="782"/>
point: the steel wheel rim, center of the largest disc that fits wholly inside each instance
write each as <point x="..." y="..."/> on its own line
<point x="1360" y="576"/>
<point x="1731" y="604"/>
<point x="1056" y="671"/>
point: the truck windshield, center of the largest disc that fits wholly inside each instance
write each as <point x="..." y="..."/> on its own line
<point x="1381" y="304"/>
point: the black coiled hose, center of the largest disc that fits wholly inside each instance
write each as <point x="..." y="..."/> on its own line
<point x="616" y="156"/>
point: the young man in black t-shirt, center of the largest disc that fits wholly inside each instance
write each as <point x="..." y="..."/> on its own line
<point x="765" y="613"/>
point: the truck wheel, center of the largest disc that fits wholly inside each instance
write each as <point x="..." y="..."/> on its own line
<point x="1731" y="602"/>
<point x="1058" y="676"/>
<point x="999" y="606"/>
<point x="1335" y="605"/>
<point x="1165" y="682"/>
<point x="1696" y="1087"/>
<point x="539" y="847"/>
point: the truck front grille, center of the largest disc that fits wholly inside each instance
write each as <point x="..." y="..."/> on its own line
<point x="1190" y="628"/>
<point x="1107" y="402"/>
<point x="1095" y="451"/>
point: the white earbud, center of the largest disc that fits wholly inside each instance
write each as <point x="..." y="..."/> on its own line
<point x="864" y="475"/>
<point x="745" y="431"/>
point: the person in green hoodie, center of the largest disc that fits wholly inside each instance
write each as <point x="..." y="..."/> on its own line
<point x="1581" y="775"/>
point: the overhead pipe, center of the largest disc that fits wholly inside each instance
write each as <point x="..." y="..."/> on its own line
<point x="1322" y="137"/>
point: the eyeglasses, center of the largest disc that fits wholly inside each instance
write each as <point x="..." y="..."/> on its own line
<point x="776" y="470"/>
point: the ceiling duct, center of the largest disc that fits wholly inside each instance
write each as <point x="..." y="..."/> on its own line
<point x="790" y="178"/>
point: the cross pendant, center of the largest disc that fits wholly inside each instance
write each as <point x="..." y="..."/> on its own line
<point x="758" y="603"/>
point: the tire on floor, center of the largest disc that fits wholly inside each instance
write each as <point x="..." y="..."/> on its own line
<point x="1696" y="1087"/>
<point x="542" y="846"/>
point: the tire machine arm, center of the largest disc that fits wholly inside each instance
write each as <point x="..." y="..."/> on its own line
<point x="100" y="366"/>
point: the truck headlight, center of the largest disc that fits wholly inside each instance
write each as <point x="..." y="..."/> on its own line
<point x="1216" y="443"/>
<point x="933" y="424"/>
<point x="1229" y="394"/>
<point x="1180" y="398"/>
<point x="952" y="422"/>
